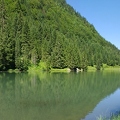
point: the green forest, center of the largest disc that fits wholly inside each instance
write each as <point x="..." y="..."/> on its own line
<point x="50" y="31"/>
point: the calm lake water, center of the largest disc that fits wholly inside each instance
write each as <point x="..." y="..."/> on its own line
<point x="59" y="96"/>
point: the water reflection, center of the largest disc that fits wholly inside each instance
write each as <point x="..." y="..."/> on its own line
<point x="107" y="107"/>
<point x="59" y="96"/>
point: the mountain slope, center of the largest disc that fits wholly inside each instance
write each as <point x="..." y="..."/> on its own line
<point x="52" y="32"/>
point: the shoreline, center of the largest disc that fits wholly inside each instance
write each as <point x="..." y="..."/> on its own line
<point x="65" y="70"/>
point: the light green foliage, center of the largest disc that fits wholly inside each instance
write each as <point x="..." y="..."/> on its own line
<point x="43" y="66"/>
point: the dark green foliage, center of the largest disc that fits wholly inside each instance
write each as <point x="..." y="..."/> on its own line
<point x="57" y="55"/>
<point x="51" y="31"/>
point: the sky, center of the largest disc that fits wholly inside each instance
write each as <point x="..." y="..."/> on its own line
<point x="103" y="14"/>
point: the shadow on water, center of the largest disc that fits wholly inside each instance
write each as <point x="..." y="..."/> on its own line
<point x="56" y="96"/>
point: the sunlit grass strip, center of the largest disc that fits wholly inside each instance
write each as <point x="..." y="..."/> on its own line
<point x="111" y="68"/>
<point x="104" y="68"/>
<point x="52" y="70"/>
<point x="90" y="68"/>
<point x="60" y="70"/>
<point x="43" y="67"/>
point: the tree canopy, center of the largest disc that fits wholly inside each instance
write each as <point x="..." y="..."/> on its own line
<point x="53" y="32"/>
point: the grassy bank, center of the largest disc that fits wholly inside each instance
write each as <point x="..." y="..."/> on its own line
<point x="104" y="68"/>
<point x="91" y="68"/>
<point x="43" y="66"/>
<point x="52" y="70"/>
<point x="112" y="68"/>
<point x="60" y="70"/>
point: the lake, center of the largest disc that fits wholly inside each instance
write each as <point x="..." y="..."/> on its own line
<point x="59" y="96"/>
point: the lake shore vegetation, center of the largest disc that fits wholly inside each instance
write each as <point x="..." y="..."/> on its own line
<point x="50" y="35"/>
<point x="112" y="118"/>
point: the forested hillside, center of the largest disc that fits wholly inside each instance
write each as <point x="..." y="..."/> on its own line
<point x="50" y="31"/>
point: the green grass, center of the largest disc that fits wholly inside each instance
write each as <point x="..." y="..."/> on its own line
<point x="60" y="70"/>
<point x="104" y="68"/>
<point x="112" y="118"/>
<point x="42" y="66"/>
<point x="111" y="68"/>
<point x="41" y="69"/>
<point x="90" y="68"/>
<point x="116" y="118"/>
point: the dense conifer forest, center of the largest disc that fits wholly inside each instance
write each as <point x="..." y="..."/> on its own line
<point x="50" y="31"/>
